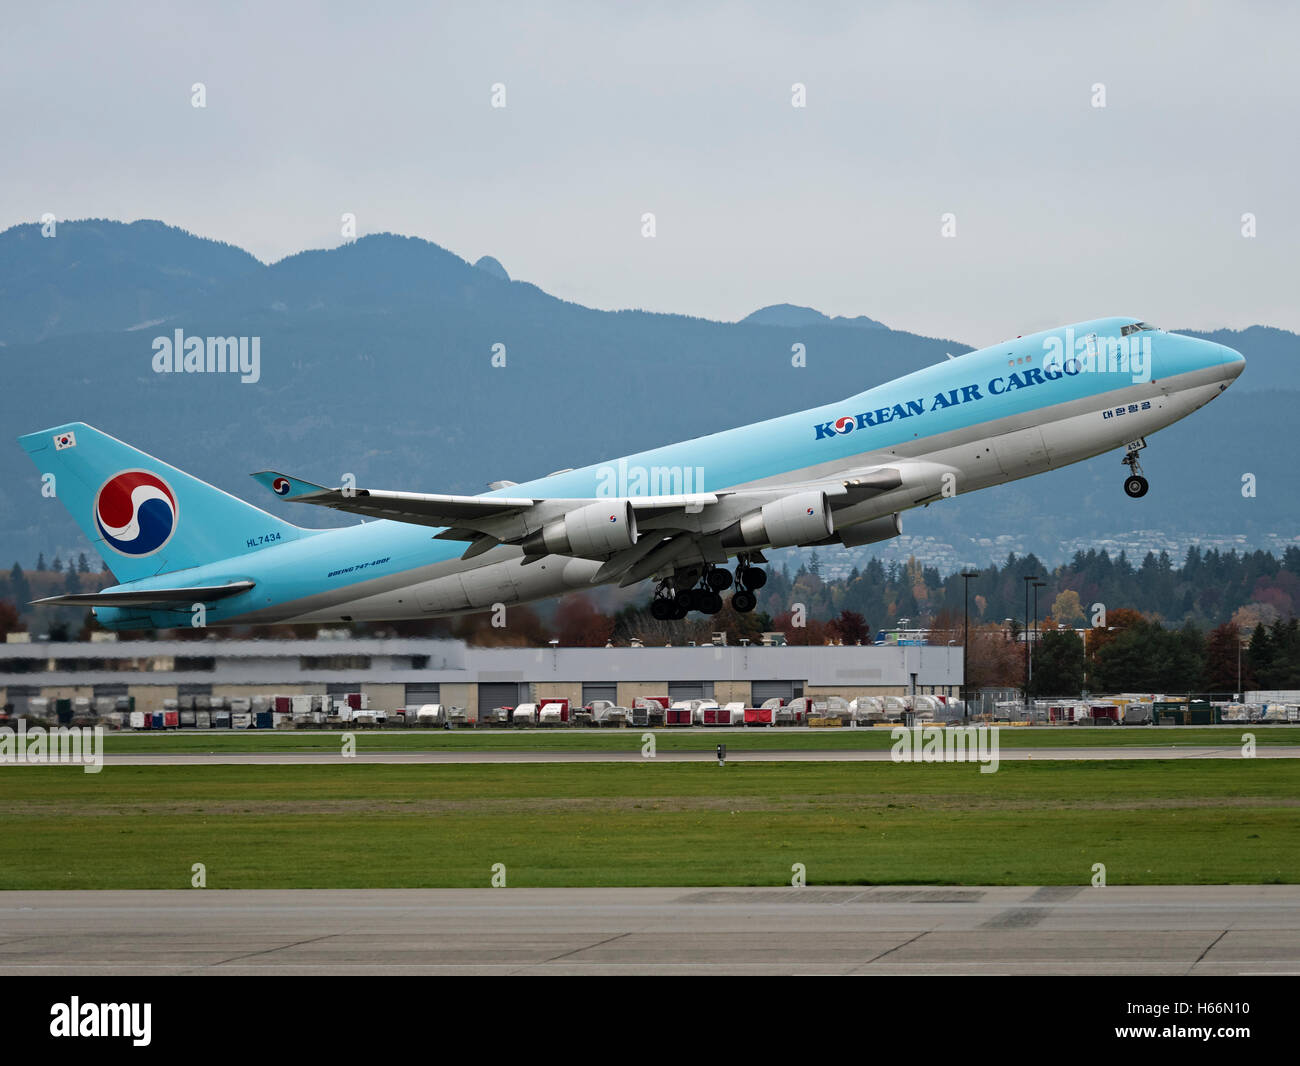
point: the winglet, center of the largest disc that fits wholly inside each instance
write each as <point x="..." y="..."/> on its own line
<point x="287" y="488"/>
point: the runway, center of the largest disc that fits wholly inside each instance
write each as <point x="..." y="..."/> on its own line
<point x="633" y="754"/>
<point x="880" y="930"/>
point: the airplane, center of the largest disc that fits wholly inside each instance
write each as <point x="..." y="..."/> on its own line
<point x="839" y="474"/>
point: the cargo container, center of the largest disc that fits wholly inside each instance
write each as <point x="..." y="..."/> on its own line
<point x="186" y="718"/>
<point x="1137" y="714"/>
<point x="551" y="714"/>
<point x="760" y="716"/>
<point x="284" y="705"/>
<point x="156" y="720"/>
<point x="426" y="714"/>
<point x="220" y="719"/>
<point x="562" y="704"/>
<point x="171" y="719"/>
<point x="263" y="720"/>
<point x="138" y="720"/>
<point x="202" y="719"/>
<point x="797" y="711"/>
<point x="894" y="708"/>
<point x="524" y="715"/>
<point x="239" y="719"/>
<point x="679" y="715"/>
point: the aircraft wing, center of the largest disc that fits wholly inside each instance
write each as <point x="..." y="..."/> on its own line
<point x="414" y="507"/>
<point x="158" y="598"/>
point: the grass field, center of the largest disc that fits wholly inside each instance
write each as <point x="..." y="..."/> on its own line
<point x="674" y="739"/>
<point x="376" y="826"/>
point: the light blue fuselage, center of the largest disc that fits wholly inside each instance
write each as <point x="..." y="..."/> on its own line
<point x="990" y="416"/>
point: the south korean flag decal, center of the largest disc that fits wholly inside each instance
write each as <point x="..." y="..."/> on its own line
<point x="64" y="440"/>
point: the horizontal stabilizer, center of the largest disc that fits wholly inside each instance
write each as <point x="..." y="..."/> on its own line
<point x="162" y="598"/>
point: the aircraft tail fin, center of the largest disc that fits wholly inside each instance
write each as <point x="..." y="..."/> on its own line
<point x="143" y="516"/>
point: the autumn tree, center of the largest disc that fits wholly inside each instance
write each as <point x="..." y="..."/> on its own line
<point x="578" y="624"/>
<point x="851" y="628"/>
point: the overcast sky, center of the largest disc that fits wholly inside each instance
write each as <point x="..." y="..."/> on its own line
<point x="1064" y="211"/>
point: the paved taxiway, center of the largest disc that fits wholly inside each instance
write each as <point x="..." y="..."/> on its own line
<point x="633" y="754"/>
<point x="882" y="930"/>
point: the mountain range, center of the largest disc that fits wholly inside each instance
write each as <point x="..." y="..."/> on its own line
<point x="380" y="358"/>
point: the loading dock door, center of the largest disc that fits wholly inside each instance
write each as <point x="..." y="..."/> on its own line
<point x="498" y="694"/>
<point x="599" y="690"/>
<point x="689" y="690"/>
<point x="762" y="691"/>
<point x="420" y="694"/>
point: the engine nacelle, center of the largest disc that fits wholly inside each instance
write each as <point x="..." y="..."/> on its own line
<point x="854" y="536"/>
<point x="594" y="529"/>
<point x="801" y="519"/>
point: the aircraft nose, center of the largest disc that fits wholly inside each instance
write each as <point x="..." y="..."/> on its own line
<point x="1233" y="363"/>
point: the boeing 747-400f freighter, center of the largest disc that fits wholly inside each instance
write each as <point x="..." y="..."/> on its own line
<point x="840" y="474"/>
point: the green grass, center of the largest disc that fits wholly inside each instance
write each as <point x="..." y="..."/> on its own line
<point x="692" y="739"/>
<point x="384" y="826"/>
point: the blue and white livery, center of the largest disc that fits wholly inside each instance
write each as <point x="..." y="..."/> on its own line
<point x="840" y="474"/>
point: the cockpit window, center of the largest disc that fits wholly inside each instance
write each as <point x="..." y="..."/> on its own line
<point x="1136" y="327"/>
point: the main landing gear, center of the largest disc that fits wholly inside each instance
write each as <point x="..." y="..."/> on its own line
<point x="671" y="604"/>
<point x="1135" y="484"/>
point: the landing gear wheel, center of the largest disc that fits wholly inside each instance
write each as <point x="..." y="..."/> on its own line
<point x="744" y="601"/>
<point x="718" y="580"/>
<point x="685" y="599"/>
<point x="751" y="577"/>
<point x="661" y="609"/>
<point x="1135" y="484"/>
<point x="708" y="602"/>
<point x="677" y="610"/>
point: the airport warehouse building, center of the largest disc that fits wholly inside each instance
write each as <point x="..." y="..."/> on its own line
<point x="393" y="674"/>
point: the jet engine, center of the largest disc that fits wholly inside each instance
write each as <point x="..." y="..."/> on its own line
<point x="890" y="525"/>
<point x="804" y="518"/>
<point x="593" y="530"/>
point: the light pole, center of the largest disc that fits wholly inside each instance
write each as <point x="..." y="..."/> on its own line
<point x="1028" y="579"/>
<point x="1240" y="644"/>
<point x="1037" y="585"/>
<point x="965" y="646"/>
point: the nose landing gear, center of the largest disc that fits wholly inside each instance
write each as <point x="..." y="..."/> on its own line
<point x="1135" y="485"/>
